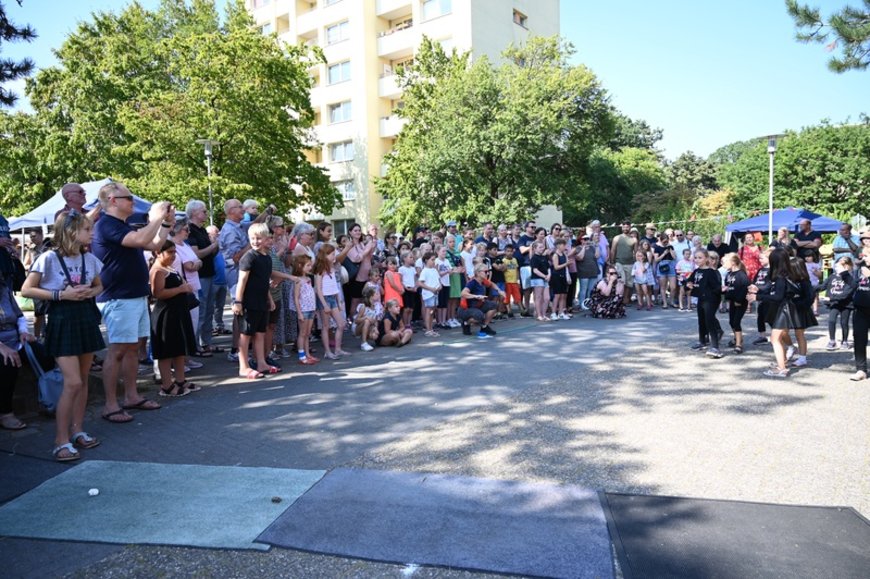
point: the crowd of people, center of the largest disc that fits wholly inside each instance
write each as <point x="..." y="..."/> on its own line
<point x="160" y="288"/>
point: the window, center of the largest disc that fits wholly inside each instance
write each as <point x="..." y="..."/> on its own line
<point x="347" y="190"/>
<point x="436" y="8"/>
<point x="341" y="152"/>
<point x="260" y="3"/>
<point x="340" y="112"/>
<point x="339" y="72"/>
<point x="267" y="28"/>
<point x="331" y="2"/>
<point x="521" y="19"/>
<point x="337" y="32"/>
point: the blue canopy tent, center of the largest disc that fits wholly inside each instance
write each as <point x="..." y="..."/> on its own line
<point x="44" y="214"/>
<point x="789" y="218"/>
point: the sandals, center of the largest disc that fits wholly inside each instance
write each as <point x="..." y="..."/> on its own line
<point x="175" y="390"/>
<point x="203" y="353"/>
<point x="189" y="386"/>
<point x="270" y="370"/>
<point x="65" y="453"/>
<point x="143" y="404"/>
<point x="84" y="440"/>
<point x="252" y="374"/>
<point x="121" y="414"/>
<point x="11" y="422"/>
<point x="214" y="349"/>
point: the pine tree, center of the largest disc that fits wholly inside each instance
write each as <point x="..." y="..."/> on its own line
<point x="848" y="28"/>
<point x="10" y="69"/>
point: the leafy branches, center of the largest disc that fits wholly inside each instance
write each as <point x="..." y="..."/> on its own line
<point x="849" y="27"/>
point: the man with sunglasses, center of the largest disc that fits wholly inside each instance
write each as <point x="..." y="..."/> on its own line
<point x="124" y="301"/>
<point x="74" y="197"/>
<point x="524" y="260"/>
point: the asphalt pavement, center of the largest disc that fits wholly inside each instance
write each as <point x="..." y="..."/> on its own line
<point x="618" y="405"/>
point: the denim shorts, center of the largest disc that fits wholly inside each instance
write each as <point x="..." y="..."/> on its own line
<point x="430" y="302"/>
<point x="331" y="302"/>
<point x="536" y="282"/>
<point x="126" y="320"/>
<point x="308" y="315"/>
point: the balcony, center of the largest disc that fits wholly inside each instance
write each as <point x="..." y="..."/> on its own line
<point x="307" y="22"/>
<point x="392" y="9"/>
<point x="391" y="126"/>
<point x="388" y="86"/>
<point x="397" y="42"/>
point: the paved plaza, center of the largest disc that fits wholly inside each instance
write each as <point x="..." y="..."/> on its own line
<point x="616" y="405"/>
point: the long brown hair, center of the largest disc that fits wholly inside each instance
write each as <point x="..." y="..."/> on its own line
<point x="321" y="263"/>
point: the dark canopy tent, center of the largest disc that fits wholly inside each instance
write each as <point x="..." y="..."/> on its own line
<point x="789" y="218"/>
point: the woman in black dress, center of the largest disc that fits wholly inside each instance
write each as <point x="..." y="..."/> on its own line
<point x="172" y="336"/>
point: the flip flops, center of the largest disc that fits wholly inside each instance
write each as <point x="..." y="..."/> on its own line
<point x="143" y="404"/>
<point x="122" y="414"/>
<point x="175" y="390"/>
<point x="252" y="374"/>
<point x="270" y="370"/>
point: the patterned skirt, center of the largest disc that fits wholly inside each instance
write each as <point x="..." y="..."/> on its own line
<point x="287" y="328"/>
<point x="73" y="328"/>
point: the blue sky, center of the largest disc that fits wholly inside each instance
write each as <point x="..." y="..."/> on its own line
<point x="707" y="72"/>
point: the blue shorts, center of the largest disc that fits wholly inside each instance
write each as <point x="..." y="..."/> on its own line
<point x="308" y="315"/>
<point x="126" y="320"/>
<point x="537" y="282"/>
<point x="331" y="302"/>
<point x="430" y="302"/>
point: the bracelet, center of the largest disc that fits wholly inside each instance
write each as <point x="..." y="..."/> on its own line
<point x="236" y="302"/>
<point x="166" y="225"/>
<point x="55" y="295"/>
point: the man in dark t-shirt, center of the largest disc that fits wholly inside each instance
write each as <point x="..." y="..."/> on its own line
<point x="717" y="245"/>
<point x="806" y="241"/>
<point x="124" y="300"/>
<point x="205" y="250"/>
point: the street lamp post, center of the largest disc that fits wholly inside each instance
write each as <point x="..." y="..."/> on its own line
<point x="771" y="150"/>
<point x="208" y="144"/>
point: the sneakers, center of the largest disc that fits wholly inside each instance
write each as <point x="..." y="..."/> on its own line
<point x="697" y="346"/>
<point x="832" y="345"/>
<point x="790" y="352"/>
<point x="554" y="317"/>
<point x="759" y="340"/>
<point x="466" y="329"/>
<point x="193" y="364"/>
<point x="846" y="345"/>
<point x="232" y="356"/>
<point x="714" y="353"/>
<point x="366" y="347"/>
<point x="800" y="361"/>
<point x="776" y="373"/>
<point x="483" y="336"/>
<point x="858" y="376"/>
<point x="487" y="330"/>
<point x="454" y="323"/>
<point x="564" y="316"/>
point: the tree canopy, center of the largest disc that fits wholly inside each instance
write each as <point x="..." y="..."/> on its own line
<point x="133" y="91"/>
<point x="492" y="143"/>
<point x="11" y="69"/>
<point x="849" y="29"/>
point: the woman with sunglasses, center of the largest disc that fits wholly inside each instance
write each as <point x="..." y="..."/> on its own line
<point x="607" y="297"/>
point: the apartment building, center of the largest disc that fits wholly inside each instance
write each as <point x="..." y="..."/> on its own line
<point x="355" y="96"/>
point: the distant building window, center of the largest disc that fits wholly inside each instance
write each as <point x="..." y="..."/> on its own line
<point x="337" y="32"/>
<point x="339" y="72"/>
<point x="436" y="8"/>
<point x="340" y="112"/>
<point x="341" y="152"/>
<point x="267" y="28"/>
<point x="347" y="190"/>
<point x="521" y="19"/>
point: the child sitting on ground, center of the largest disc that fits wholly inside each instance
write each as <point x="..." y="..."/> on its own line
<point x="392" y="329"/>
<point x="367" y="316"/>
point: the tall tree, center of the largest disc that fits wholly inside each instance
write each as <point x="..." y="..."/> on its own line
<point x="492" y="143"/>
<point x="9" y="68"/>
<point x="134" y="91"/>
<point x="849" y="29"/>
<point x="635" y="133"/>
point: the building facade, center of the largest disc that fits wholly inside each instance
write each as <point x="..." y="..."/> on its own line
<point x="355" y="96"/>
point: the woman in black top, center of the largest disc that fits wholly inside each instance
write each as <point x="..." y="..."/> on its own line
<point x="735" y="287"/>
<point x="861" y="317"/>
<point x="664" y="263"/>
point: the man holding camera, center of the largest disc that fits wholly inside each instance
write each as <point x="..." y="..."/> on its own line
<point x="124" y="301"/>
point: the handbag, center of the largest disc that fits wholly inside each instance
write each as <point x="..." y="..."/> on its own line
<point x="50" y="383"/>
<point x="664" y="268"/>
<point x="192" y="300"/>
<point x="351" y="266"/>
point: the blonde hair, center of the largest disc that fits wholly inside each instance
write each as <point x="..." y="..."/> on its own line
<point x="66" y="230"/>
<point x="112" y="188"/>
<point x="260" y="230"/>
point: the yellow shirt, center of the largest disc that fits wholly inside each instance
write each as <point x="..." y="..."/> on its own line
<point x="511" y="273"/>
